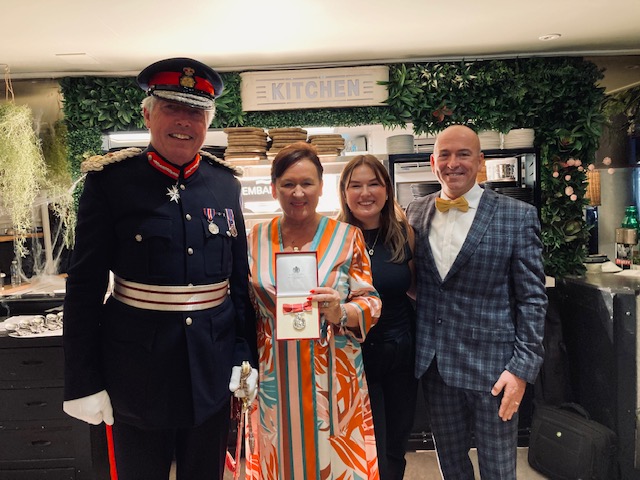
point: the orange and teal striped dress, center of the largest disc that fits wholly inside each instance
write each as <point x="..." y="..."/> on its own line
<point x="314" y="417"/>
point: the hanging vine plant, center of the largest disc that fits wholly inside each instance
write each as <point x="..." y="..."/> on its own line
<point x="58" y="180"/>
<point x="22" y="170"/>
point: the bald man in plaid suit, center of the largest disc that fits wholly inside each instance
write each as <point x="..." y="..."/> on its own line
<point x="481" y="305"/>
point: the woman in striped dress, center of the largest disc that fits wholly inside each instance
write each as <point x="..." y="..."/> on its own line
<point x="314" y="415"/>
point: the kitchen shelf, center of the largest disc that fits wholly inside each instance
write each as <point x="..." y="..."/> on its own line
<point x="11" y="238"/>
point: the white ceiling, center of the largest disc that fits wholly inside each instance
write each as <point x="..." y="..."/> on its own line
<point x="48" y="39"/>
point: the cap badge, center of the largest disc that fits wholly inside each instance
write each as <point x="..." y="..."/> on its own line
<point x="187" y="80"/>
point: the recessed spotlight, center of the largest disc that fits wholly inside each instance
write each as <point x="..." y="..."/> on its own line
<point x="549" y="36"/>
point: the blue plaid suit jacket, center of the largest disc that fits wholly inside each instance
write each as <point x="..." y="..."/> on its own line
<point x="487" y="314"/>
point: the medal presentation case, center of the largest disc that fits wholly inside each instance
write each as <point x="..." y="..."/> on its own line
<point x="297" y="318"/>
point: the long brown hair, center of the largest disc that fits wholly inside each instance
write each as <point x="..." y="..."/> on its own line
<point x="393" y="222"/>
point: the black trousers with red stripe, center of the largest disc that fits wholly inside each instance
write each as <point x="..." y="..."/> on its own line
<point x="199" y="451"/>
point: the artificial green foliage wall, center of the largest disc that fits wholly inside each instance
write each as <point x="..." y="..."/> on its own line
<point x="558" y="97"/>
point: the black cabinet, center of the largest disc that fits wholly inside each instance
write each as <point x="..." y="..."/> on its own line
<point x="600" y="330"/>
<point x="37" y="439"/>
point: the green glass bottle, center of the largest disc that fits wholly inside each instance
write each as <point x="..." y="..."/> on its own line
<point x="630" y="218"/>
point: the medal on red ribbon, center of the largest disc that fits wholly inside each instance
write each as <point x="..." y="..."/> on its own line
<point x="209" y="213"/>
<point x="297" y="309"/>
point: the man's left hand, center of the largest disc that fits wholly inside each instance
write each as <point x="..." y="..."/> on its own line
<point x="513" y="388"/>
<point x="250" y="390"/>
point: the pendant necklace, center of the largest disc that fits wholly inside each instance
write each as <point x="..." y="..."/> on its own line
<point x="295" y="248"/>
<point x="372" y="247"/>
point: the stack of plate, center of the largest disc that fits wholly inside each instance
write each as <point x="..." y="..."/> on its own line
<point x="328" y="144"/>
<point x="519" y="138"/>
<point x="424" y="144"/>
<point x="400" y="144"/>
<point x="281" y="137"/>
<point x="246" y="145"/>
<point x="489" y="140"/>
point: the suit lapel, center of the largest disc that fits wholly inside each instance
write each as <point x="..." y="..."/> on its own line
<point x="430" y="208"/>
<point x="482" y="220"/>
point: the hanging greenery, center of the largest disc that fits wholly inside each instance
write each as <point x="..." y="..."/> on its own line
<point x="557" y="97"/>
<point x="58" y="181"/>
<point x="627" y="103"/>
<point x="22" y="170"/>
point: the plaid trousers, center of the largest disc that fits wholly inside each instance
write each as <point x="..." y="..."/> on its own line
<point x="457" y="415"/>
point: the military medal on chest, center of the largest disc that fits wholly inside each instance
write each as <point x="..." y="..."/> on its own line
<point x="231" y="223"/>
<point x="210" y="213"/>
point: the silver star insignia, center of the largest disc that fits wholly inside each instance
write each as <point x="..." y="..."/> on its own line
<point x="173" y="193"/>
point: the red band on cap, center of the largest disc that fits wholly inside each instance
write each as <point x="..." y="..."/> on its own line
<point x="173" y="78"/>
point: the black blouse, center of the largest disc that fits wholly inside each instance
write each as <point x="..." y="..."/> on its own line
<point x="392" y="281"/>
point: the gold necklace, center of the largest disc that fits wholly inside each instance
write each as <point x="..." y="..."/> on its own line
<point x="292" y="242"/>
<point x="371" y="248"/>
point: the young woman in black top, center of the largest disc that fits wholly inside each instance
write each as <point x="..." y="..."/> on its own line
<point x="368" y="202"/>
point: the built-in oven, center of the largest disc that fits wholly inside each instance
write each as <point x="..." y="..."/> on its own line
<point x="411" y="176"/>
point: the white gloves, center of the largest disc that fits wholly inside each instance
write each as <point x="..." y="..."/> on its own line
<point x="250" y="390"/>
<point x="92" y="409"/>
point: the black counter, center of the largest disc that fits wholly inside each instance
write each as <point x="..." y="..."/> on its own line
<point x="37" y="439"/>
<point x="599" y="314"/>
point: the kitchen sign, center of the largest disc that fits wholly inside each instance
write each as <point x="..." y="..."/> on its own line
<point x="314" y="88"/>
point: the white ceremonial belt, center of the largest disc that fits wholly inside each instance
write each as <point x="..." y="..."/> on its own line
<point x="170" y="298"/>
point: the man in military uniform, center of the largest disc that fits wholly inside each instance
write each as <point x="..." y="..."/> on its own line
<point x="156" y="358"/>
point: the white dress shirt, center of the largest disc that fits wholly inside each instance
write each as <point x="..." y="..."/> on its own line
<point x="449" y="230"/>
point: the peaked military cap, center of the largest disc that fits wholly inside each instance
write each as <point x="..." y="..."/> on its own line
<point x="182" y="80"/>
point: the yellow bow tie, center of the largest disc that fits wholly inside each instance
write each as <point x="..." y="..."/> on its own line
<point x="444" y="205"/>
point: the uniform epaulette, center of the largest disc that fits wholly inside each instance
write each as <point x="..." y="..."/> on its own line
<point x="236" y="170"/>
<point x="97" y="162"/>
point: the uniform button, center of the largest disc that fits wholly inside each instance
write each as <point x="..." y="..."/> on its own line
<point x="190" y="251"/>
<point x="138" y="238"/>
<point x="182" y="187"/>
<point x="439" y="321"/>
<point x="188" y="217"/>
<point x="188" y="321"/>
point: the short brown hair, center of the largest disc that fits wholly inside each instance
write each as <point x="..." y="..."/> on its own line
<point x="291" y="154"/>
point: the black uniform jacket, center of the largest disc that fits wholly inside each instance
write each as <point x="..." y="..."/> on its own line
<point x="161" y="369"/>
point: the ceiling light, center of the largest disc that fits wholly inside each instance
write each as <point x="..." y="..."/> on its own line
<point x="319" y="130"/>
<point x="129" y="136"/>
<point x="549" y="36"/>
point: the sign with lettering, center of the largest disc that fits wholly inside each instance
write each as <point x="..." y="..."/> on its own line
<point x="314" y="88"/>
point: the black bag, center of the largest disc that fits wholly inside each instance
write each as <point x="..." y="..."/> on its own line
<point x="566" y="445"/>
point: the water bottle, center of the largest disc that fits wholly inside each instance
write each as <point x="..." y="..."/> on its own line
<point x="16" y="280"/>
